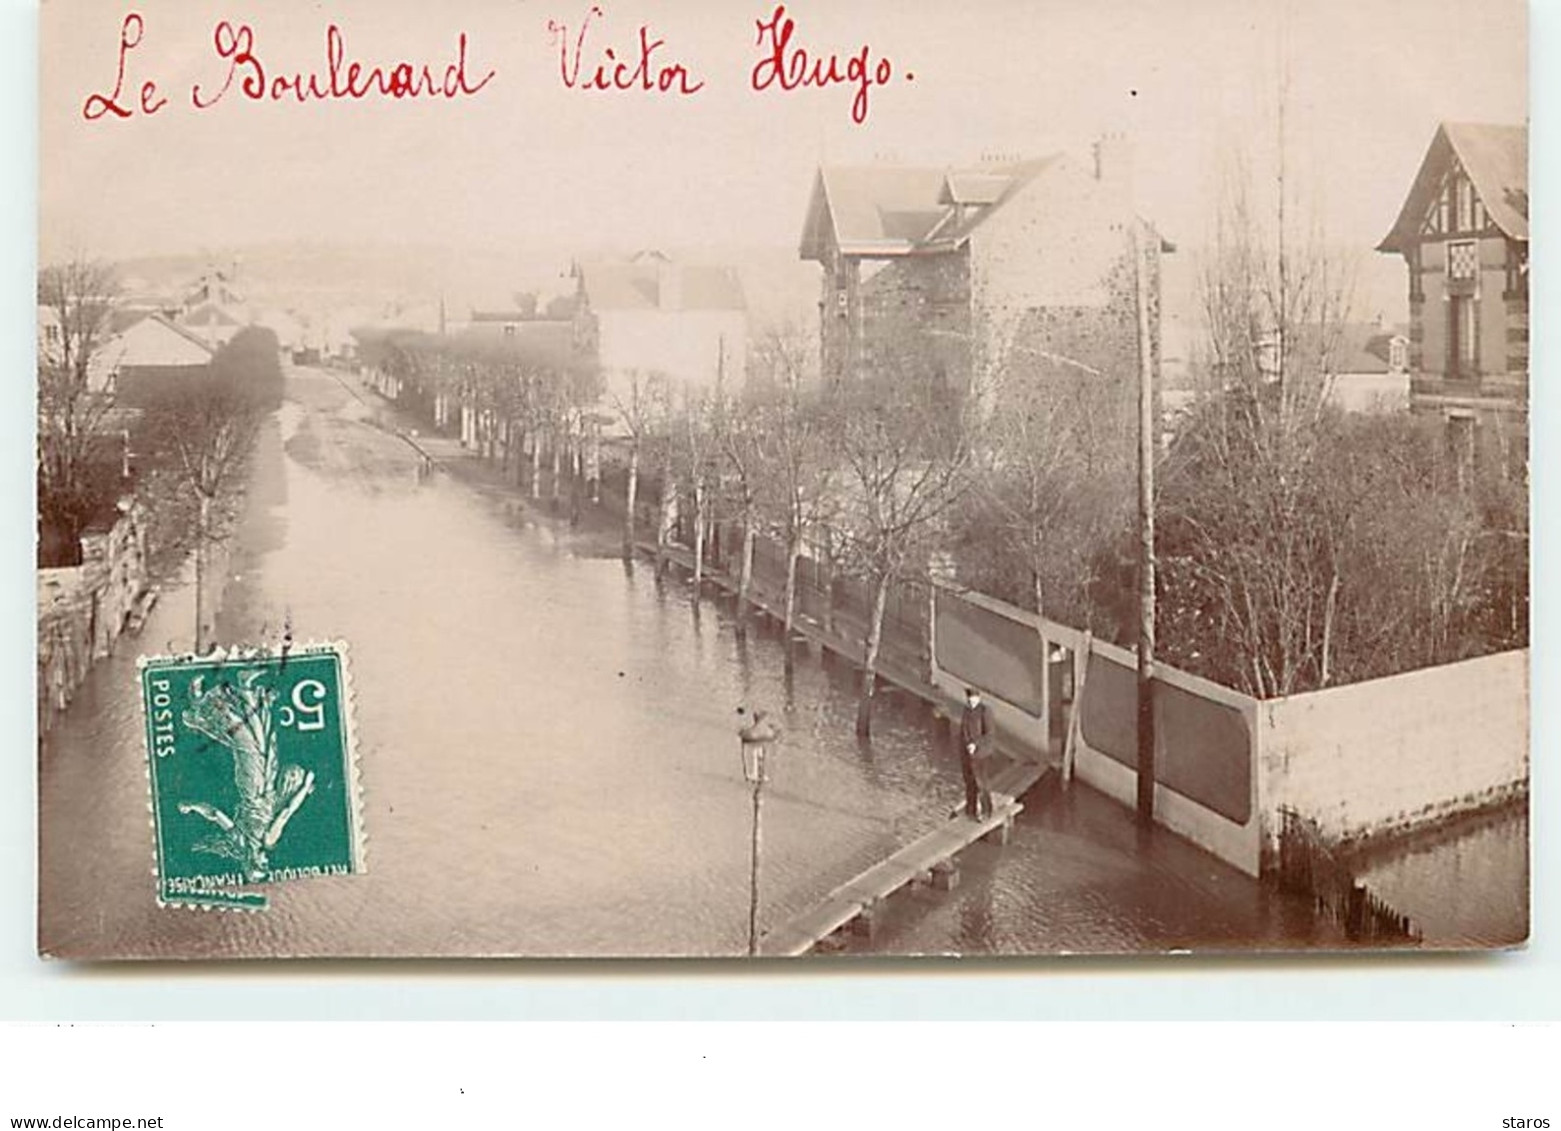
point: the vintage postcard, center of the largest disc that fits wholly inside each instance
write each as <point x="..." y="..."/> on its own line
<point x="782" y="480"/>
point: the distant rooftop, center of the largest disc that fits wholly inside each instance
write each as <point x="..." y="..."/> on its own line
<point x="650" y="281"/>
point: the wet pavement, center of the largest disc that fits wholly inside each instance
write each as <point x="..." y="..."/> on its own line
<point x="1079" y="877"/>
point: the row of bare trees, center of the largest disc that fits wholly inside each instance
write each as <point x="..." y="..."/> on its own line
<point x="519" y="402"/>
<point x="868" y="473"/>
<point x="191" y="431"/>
<point x="1297" y="546"/>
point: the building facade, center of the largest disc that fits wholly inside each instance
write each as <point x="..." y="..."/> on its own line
<point x="985" y="278"/>
<point x="650" y="316"/>
<point x="1463" y="233"/>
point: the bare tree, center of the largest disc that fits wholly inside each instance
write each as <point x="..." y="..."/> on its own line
<point x="74" y="299"/>
<point x="1054" y="476"/>
<point x="1255" y="522"/>
<point x="642" y="410"/>
<point x="906" y="455"/>
<point x="206" y="426"/>
<point x="795" y="466"/>
<point x="697" y="446"/>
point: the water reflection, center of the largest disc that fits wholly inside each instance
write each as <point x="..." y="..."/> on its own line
<point x="547" y="740"/>
<point x="550" y="763"/>
<point x="1465" y="886"/>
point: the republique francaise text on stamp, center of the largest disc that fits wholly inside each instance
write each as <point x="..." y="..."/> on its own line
<point x="253" y="772"/>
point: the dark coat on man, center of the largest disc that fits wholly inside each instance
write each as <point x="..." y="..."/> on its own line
<point x="975" y="729"/>
<point x="975" y="743"/>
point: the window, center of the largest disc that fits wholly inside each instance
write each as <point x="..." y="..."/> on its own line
<point x="1444" y="210"/>
<point x="1398" y="354"/>
<point x="1465" y="194"/>
<point x="1460" y="336"/>
<point x="1517" y="270"/>
<point x="1479" y="215"/>
<point x="1463" y="261"/>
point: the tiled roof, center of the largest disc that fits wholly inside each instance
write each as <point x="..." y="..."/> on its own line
<point x="637" y="285"/>
<point x="897" y="210"/>
<point x="1496" y="160"/>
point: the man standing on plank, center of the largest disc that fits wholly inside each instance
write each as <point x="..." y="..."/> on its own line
<point x="975" y="747"/>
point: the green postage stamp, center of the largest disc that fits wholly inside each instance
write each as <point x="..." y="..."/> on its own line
<point x="253" y="772"/>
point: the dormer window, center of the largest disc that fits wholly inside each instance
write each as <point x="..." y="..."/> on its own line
<point x="1398" y="354"/>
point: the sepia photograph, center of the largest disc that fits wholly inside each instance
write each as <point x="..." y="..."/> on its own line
<point x="756" y="480"/>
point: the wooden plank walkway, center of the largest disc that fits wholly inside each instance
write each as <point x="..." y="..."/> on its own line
<point x="921" y="859"/>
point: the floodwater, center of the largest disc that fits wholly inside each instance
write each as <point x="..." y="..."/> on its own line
<point x="1467" y="886"/>
<point x="548" y="755"/>
<point x="547" y="740"/>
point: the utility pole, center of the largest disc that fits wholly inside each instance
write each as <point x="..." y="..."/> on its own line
<point x="753" y="873"/>
<point x="1146" y="584"/>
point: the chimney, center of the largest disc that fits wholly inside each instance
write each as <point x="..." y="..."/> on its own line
<point x="1114" y="160"/>
<point x="669" y="286"/>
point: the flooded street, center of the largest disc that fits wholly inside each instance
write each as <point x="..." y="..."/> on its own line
<point x="549" y="760"/>
<point x="547" y="741"/>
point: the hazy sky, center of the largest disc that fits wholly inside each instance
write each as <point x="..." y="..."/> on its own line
<point x="527" y="160"/>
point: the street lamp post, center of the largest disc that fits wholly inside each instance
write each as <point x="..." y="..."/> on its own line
<point x="756" y="739"/>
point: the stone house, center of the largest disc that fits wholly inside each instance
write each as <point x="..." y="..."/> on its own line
<point x="1000" y="275"/>
<point x="1463" y="233"/>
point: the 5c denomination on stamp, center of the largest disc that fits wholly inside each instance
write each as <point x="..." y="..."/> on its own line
<point x="253" y="772"/>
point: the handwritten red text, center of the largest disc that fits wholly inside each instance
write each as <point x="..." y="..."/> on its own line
<point x="791" y="67"/>
<point x="131" y="33"/>
<point x="644" y="73"/>
<point x="341" y="79"/>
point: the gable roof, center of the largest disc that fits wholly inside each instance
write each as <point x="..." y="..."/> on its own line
<point x="155" y="341"/>
<point x="637" y="285"/>
<point x="898" y="209"/>
<point x="1495" y="158"/>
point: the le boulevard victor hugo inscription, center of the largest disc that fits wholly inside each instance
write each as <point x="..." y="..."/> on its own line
<point x="644" y="63"/>
<point x="773" y="479"/>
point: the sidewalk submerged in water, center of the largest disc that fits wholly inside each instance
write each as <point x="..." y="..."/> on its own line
<point x="1079" y="875"/>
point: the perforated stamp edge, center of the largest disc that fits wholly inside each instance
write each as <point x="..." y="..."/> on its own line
<point x="255" y="901"/>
